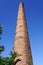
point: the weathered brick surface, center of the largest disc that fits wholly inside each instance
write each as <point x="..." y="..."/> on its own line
<point x="21" y="42"/>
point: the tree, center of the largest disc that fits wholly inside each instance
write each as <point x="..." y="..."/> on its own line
<point x="0" y="31"/>
<point x="11" y="59"/>
<point x="1" y="49"/>
<point x="1" y="58"/>
<point x="7" y="60"/>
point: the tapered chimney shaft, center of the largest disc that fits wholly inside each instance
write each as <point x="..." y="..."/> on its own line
<point x="21" y="42"/>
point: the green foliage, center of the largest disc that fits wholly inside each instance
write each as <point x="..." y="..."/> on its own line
<point x="8" y="60"/>
<point x="0" y="31"/>
<point x="13" y="54"/>
<point x="1" y="49"/>
<point x="1" y="60"/>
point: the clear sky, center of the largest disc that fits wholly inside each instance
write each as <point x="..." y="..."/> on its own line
<point x="34" y="17"/>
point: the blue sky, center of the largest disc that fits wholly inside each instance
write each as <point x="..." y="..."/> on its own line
<point x="34" y="17"/>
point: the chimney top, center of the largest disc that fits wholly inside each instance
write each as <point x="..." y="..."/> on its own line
<point x="21" y="3"/>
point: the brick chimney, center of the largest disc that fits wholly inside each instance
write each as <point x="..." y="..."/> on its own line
<point x="21" y="41"/>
